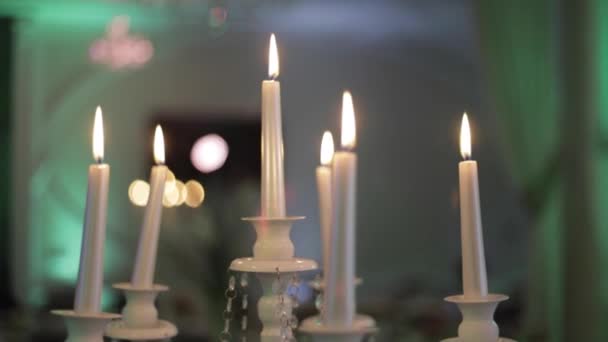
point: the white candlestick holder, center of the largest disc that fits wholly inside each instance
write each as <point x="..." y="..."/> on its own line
<point x="478" y="318"/>
<point x="362" y="327"/>
<point x="274" y="264"/>
<point x="85" y="327"/>
<point x="140" y="317"/>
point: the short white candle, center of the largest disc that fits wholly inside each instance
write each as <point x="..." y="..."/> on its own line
<point x="273" y="181"/>
<point x="324" y="190"/>
<point x="145" y="262"/>
<point x="90" y="272"/>
<point x="474" y="278"/>
<point x="339" y="296"/>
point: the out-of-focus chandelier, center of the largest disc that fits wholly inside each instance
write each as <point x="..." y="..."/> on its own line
<point x="120" y="49"/>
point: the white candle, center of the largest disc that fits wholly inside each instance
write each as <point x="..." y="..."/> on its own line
<point x="324" y="190"/>
<point x="145" y="262"/>
<point x="339" y="296"/>
<point x="474" y="278"/>
<point x="90" y="273"/>
<point x="273" y="182"/>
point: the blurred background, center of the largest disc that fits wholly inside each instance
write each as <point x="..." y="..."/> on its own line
<point x="531" y="75"/>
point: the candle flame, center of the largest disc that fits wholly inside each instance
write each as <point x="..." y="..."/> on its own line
<point x="327" y="148"/>
<point x="159" y="146"/>
<point x="273" y="58"/>
<point x="349" y="127"/>
<point x="465" y="138"/>
<point x="98" y="136"/>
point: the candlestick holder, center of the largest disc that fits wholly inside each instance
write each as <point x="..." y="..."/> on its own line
<point x="274" y="264"/>
<point x="477" y="318"/>
<point x="139" y="316"/>
<point x="85" y="327"/>
<point x="362" y="327"/>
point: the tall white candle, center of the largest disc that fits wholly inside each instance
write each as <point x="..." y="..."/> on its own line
<point x="90" y="273"/>
<point x="145" y="262"/>
<point x="339" y="296"/>
<point x="273" y="182"/>
<point x="324" y="190"/>
<point x="474" y="278"/>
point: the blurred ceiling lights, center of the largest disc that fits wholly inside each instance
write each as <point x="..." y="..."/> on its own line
<point x="119" y="49"/>
<point x="209" y="153"/>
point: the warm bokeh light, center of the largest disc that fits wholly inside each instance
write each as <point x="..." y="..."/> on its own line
<point x="183" y="192"/>
<point x="98" y="136"/>
<point x="195" y="194"/>
<point x="327" y="148"/>
<point x="349" y="127"/>
<point x="159" y="145"/>
<point x="465" y="138"/>
<point x="273" y="58"/>
<point x="170" y="181"/>
<point x="209" y="153"/>
<point x="139" y="191"/>
<point x="171" y="196"/>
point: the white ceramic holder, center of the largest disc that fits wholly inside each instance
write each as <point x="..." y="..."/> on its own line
<point x="85" y="327"/>
<point x="362" y="327"/>
<point x="477" y="318"/>
<point x="140" y="317"/>
<point x="273" y="252"/>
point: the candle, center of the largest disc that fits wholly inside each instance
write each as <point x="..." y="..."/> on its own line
<point x="474" y="279"/>
<point x="145" y="262"/>
<point x="273" y="183"/>
<point x="324" y="189"/>
<point x="339" y="297"/>
<point x="90" y="273"/>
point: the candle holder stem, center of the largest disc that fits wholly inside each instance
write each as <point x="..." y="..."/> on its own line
<point x="274" y="307"/>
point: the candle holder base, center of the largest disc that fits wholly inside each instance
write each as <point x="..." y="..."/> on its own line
<point x="140" y="317"/>
<point x="477" y="318"/>
<point x="254" y="265"/>
<point x="85" y="327"/>
<point x="119" y="330"/>
<point x="362" y="327"/>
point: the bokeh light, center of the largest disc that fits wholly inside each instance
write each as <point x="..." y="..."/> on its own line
<point x="195" y="194"/>
<point x="170" y="181"/>
<point x="209" y="153"/>
<point x="171" y="195"/>
<point x="183" y="192"/>
<point x="139" y="191"/>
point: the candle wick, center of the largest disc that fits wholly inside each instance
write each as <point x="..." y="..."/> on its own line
<point x="99" y="160"/>
<point x="273" y="77"/>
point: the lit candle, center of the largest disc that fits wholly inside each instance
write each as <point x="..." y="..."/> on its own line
<point x="474" y="279"/>
<point x="273" y="182"/>
<point x="145" y="262"/>
<point x="339" y="296"/>
<point x="324" y="189"/>
<point x="90" y="273"/>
